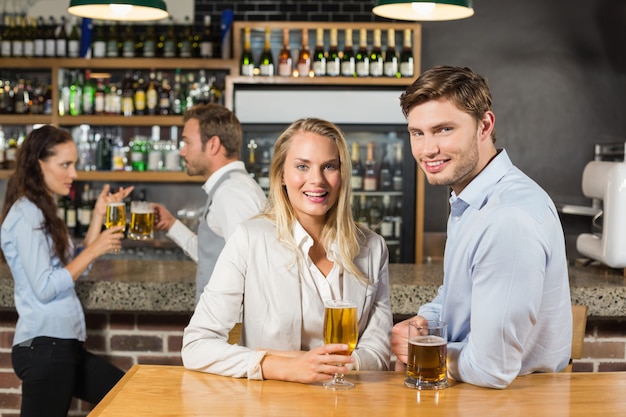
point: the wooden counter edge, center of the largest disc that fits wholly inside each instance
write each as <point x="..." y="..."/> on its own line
<point x="102" y="405"/>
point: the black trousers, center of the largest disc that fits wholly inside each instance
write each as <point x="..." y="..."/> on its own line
<point x="55" y="370"/>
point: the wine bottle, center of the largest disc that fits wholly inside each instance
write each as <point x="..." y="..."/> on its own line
<point x="170" y="43"/>
<point x="112" y="49"/>
<point x="7" y="38"/>
<point x="398" y="168"/>
<point x="70" y="212"/>
<point x="319" y="55"/>
<point x="357" y="168"/>
<point x="89" y="94"/>
<point x="285" y="61"/>
<point x="387" y="222"/>
<point x="348" y="68"/>
<point x="376" y="55"/>
<point x="375" y="214"/>
<point x="304" y="56"/>
<point x="362" y="59"/>
<point x="251" y="164"/>
<point x="186" y="40"/>
<point x="50" y="38"/>
<point x="152" y="94"/>
<point x="247" y="60"/>
<point x="149" y="43"/>
<point x="73" y="43"/>
<point x="39" y="44"/>
<point x="17" y="41"/>
<point x="28" y="38"/>
<point x="99" y="43"/>
<point x="139" y="97"/>
<point x="128" y="42"/>
<point x="370" y="180"/>
<point x="138" y="154"/>
<point x="266" y="63"/>
<point x="407" y="66"/>
<point x="99" y="97"/>
<point x="386" y="170"/>
<point x="333" y="62"/>
<point x="390" y="66"/>
<point x="206" y="41"/>
<point x="76" y="95"/>
<point x="61" y="39"/>
<point x="363" y="214"/>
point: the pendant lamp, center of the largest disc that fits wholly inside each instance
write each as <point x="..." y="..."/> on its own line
<point x="125" y="10"/>
<point x="424" y="10"/>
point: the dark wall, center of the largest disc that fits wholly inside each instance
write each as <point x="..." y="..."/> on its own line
<point x="557" y="71"/>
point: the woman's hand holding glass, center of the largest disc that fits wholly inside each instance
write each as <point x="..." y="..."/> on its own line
<point x="340" y="326"/>
<point x="112" y="207"/>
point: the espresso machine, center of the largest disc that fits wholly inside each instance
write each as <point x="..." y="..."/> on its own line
<point x="606" y="181"/>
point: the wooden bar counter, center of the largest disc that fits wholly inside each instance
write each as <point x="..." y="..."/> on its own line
<point x="159" y="391"/>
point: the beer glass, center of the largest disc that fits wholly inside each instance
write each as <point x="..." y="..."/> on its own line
<point x="340" y="326"/>
<point x="426" y="364"/>
<point x="141" y="220"/>
<point x="115" y="216"/>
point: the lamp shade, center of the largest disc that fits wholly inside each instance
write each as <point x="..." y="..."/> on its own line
<point x="126" y="10"/>
<point x="424" y="10"/>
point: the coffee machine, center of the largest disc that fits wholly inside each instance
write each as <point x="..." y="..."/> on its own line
<point x="606" y="181"/>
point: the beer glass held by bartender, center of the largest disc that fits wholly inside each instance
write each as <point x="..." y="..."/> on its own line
<point x="212" y="139"/>
<point x="48" y="353"/>
<point x="281" y="266"/>
<point x="505" y="292"/>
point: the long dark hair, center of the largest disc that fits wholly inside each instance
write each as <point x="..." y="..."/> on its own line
<point x="28" y="181"/>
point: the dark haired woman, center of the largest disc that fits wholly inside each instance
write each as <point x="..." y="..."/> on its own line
<point x="48" y="354"/>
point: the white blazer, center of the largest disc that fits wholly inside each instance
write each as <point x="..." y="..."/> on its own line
<point x="256" y="281"/>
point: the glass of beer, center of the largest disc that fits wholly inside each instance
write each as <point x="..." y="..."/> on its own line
<point x="141" y="220"/>
<point x="115" y="216"/>
<point x="426" y="364"/>
<point x="340" y="326"/>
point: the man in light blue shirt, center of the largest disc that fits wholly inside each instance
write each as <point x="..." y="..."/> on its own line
<point x="505" y="292"/>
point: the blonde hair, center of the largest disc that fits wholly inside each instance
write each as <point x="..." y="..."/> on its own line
<point x="340" y="227"/>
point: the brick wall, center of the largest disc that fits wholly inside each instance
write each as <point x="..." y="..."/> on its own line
<point x="128" y="339"/>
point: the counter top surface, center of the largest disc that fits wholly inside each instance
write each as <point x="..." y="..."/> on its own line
<point x="168" y="285"/>
<point x="152" y="390"/>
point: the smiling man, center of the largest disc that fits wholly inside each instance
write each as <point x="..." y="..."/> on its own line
<point x="505" y="292"/>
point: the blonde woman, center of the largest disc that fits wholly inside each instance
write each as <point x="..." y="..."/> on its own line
<point x="278" y="269"/>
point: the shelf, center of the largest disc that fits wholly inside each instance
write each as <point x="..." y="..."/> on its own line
<point x="114" y="120"/>
<point x="317" y="81"/>
<point x="25" y="119"/>
<point x="127" y="176"/>
<point x="134" y="176"/>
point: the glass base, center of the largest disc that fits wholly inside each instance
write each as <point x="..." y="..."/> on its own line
<point x="425" y="385"/>
<point x="338" y="384"/>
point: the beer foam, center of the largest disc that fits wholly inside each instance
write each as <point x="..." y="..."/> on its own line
<point x="427" y="341"/>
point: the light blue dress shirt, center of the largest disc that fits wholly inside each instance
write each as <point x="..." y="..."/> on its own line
<point x="45" y="297"/>
<point x="505" y="293"/>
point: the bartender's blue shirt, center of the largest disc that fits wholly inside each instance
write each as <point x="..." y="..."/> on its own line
<point x="45" y="297"/>
<point x="505" y="293"/>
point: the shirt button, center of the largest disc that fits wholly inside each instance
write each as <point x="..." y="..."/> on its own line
<point x="456" y="218"/>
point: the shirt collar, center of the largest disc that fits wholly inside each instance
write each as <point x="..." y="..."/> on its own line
<point x="305" y="241"/>
<point x="477" y="190"/>
<point x="214" y="178"/>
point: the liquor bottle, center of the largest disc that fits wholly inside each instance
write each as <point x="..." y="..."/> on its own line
<point x="73" y="43"/>
<point x="76" y="95"/>
<point x="112" y="49"/>
<point x="152" y="95"/>
<point x="17" y="41"/>
<point x="304" y="56"/>
<point x="70" y="211"/>
<point x="84" y="211"/>
<point x="165" y="100"/>
<point x="264" y="170"/>
<point x="99" y="43"/>
<point x="247" y="60"/>
<point x="397" y="219"/>
<point x="139" y="97"/>
<point x="61" y="39"/>
<point x="348" y="68"/>
<point x="149" y="43"/>
<point x="51" y="38"/>
<point x="196" y="38"/>
<point x="89" y="94"/>
<point x="251" y="165"/>
<point x="171" y="152"/>
<point x="376" y="55"/>
<point x="39" y="44"/>
<point x="398" y="168"/>
<point x="363" y="212"/>
<point x="390" y="66"/>
<point x="176" y="96"/>
<point x="387" y="221"/>
<point x="7" y="38"/>
<point x="128" y="95"/>
<point x="138" y="154"/>
<point x="406" y="56"/>
<point x="171" y="41"/>
<point x="386" y="170"/>
<point x="99" y="97"/>
<point x="206" y="41"/>
<point x="370" y="180"/>
<point x="20" y="98"/>
<point x="357" y="168"/>
<point x="28" y="39"/>
<point x="155" y="151"/>
<point x="185" y="42"/>
<point x="266" y="64"/>
<point x="333" y="62"/>
<point x="128" y="42"/>
<point x="104" y="152"/>
<point x="362" y="58"/>
<point x="285" y="61"/>
<point x="375" y="214"/>
<point x="319" y="55"/>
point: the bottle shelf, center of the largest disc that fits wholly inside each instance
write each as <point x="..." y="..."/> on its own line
<point x="115" y="120"/>
<point x="44" y="64"/>
<point x="127" y="176"/>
